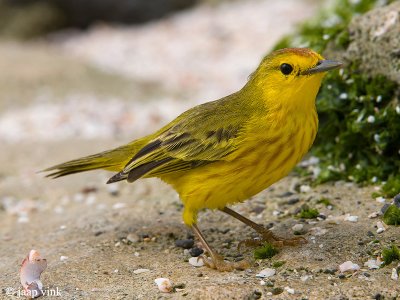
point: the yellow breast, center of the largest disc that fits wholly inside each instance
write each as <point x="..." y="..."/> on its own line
<point x="263" y="157"/>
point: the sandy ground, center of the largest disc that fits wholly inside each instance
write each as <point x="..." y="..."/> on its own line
<point x="60" y="102"/>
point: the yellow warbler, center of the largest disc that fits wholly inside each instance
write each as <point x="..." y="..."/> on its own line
<point x="223" y="152"/>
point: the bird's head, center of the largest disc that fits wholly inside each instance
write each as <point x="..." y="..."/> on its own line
<point x="294" y="74"/>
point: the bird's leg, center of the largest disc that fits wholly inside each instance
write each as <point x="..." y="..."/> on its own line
<point x="266" y="234"/>
<point x="216" y="261"/>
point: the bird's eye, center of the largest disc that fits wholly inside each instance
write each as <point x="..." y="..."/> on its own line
<point x="286" y="69"/>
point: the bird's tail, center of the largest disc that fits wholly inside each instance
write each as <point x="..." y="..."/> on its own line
<point x="111" y="160"/>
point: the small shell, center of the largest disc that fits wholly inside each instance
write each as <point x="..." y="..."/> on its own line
<point x="31" y="268"/>
<point x="164" y="285"/>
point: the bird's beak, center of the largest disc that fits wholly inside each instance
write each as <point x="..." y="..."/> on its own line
<point x="323" y="66"/>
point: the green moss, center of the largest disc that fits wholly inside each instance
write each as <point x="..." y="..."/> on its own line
<point x="392" y="186"/>
<point x="359" y="133"/>
<point x="324" y="201"/>
<point x="265" y="251"/>
<point x="390" y="254"/>
<point x="278" y="263"/>
<point x="392" y="215"/>
<point x="308" y="213"/>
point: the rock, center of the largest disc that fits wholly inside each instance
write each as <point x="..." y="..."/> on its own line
<point x="289" y="290"/>
<point x="348" y="266"/>
<point x="372" y="264"/>
<point x="375" y="40"/>
<point x="268" y="272"/>
<point x="380" y="199"/>
<point x="381" y="227"/>
<point x="298" y="227"/>
<point x="394" y="275"/>
<point x="318" y="231"/>
<point x="185" y="244"/>
<point x="293" y="201"/>
<point x="139" y="271"/>
<point x="195" y="252"/>
<point x="396" y="200"/>
<point x="113" y="189"/>
<point x="305" y="189"/>
<point x="196" y="261"/>
<point x="385" y="208"/>
<point x="133" y="238"/>
<point x="373" y="215"/>
<point x="351" y="218"/>
<point x="119" y="205"/>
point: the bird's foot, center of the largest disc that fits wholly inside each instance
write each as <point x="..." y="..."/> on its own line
<point x="217" y="262"/>
<point x="267" y="236"/>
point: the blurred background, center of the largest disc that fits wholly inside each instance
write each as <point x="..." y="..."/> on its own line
<point x="117" y="69"/>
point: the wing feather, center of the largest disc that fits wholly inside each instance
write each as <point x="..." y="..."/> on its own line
<point x="202" y="135"/>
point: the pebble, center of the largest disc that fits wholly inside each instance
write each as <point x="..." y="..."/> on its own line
<point x="262" y="282"/>
<point x="381" y="227"/>
<point x="185" y="244"/>
<point x="195" y="252"/>
<point x="112" y="189"/>
<point x="293" y="201"/>
<point x="133" y="238"/>
<point x="385" y="208"/>
<point x="298" y="227"/>
<point x="119" y="205"/>
<point x="90" y="199"/>
<point x="196" y="261"/>
<point x="289" y="290"/>
<point x="373" y="215"/>
<point x="305" y="189"/>
<point x="63" y="258"/>
<point x="380" y="230"/>
<point x="79" y="197"/>
<point x="348" y="266"/>
<point x="396" y="200"/>
<point x="318" y="231"/>
<point x="372" y="264"/>
<point x="395" y="275"/>
<point x="351" y="218"/>
<point x="305" y="278"/>
<point x="268" y="272"/>
<point x="380" y="199"/>
<point x="164" y="285"/>
<point x="139" y="271"/>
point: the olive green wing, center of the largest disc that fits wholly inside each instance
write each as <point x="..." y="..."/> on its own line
<point x="204" y="134"/>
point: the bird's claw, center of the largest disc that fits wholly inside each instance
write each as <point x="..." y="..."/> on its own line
<point x="217" y="262"/>
<point x="269" y="237"/>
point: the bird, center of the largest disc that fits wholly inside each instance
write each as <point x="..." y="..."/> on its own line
<point x="225" y="151"/>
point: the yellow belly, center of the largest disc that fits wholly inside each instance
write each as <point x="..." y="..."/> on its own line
<point x="253" y="167"/>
